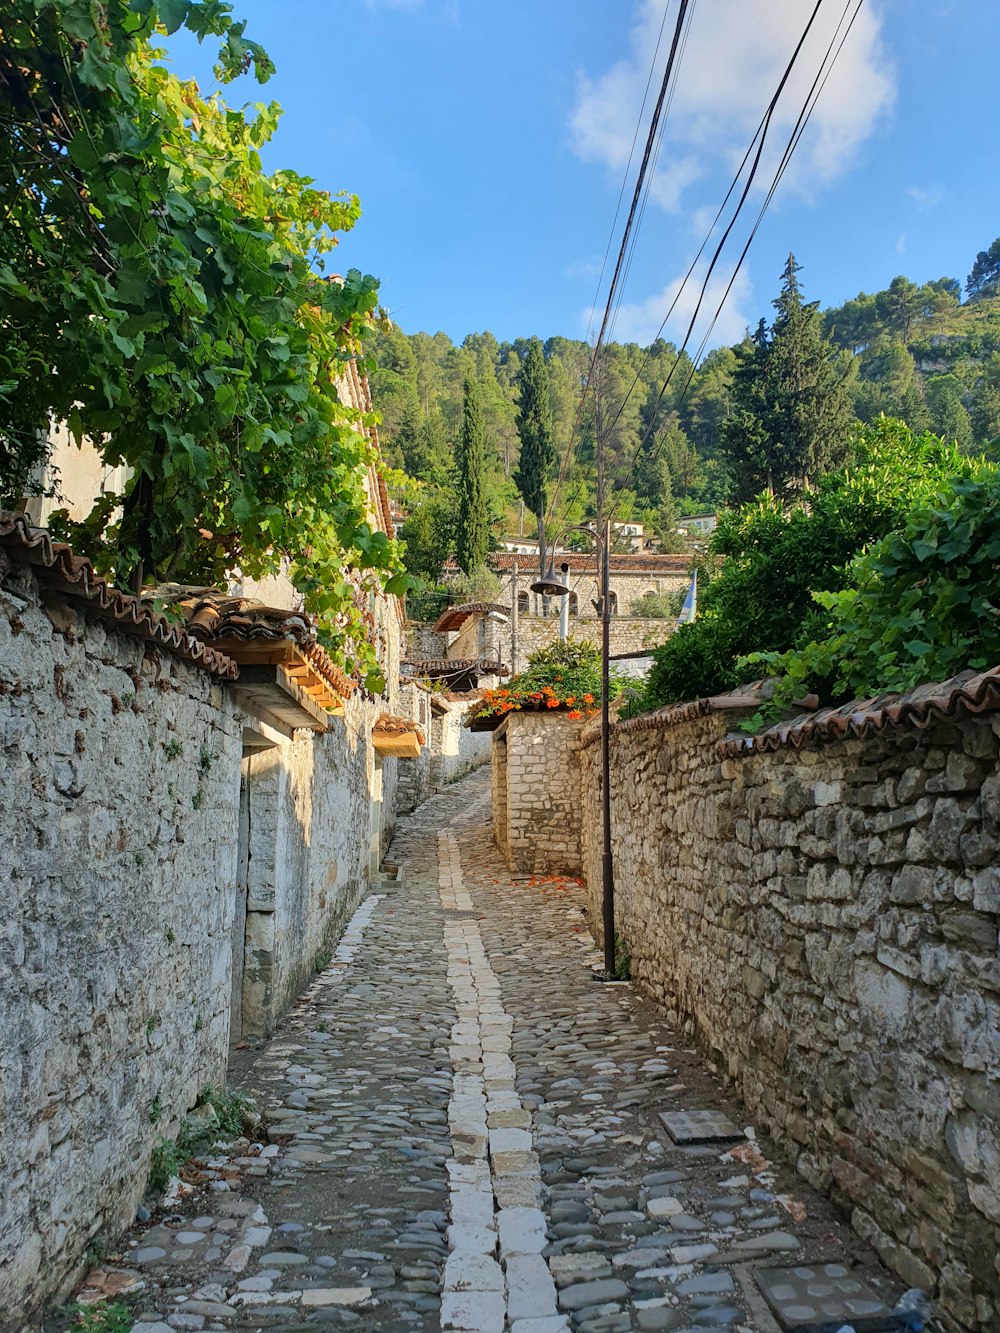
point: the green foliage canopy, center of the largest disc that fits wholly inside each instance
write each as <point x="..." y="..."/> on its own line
<point x="472" y="538"/>
<point x="791" y="416"/>
<point x="776" y="557"/>
<point x="534" y="428"/>
<point x="922" y="604"/>
<point x="162" y="294"/>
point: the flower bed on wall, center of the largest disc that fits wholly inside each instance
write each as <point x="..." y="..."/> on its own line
<point x="564" y="676"/>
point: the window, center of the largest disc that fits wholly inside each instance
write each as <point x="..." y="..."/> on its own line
<point x="523" y="602"/>
<point x="612" y="603"/>
<point x="574" y="604"/>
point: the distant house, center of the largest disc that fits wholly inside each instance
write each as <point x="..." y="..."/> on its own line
<point x="698" y="525"/>
<point x="633" y="575"/>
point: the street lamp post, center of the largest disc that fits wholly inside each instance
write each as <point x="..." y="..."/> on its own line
<point x="551" y="585"/>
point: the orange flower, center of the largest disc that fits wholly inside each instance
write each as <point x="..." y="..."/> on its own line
<point x="588" y="698"/>
<point x="574" y="714"/>
<point x="570" y="699"/>
<point x="551" y="703"/>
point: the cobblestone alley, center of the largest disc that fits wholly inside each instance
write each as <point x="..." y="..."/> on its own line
<point x="463" y="1131"/>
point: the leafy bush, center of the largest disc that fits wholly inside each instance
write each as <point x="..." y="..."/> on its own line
<point x="776" y="558"/>
<point x="659" y="605"/>
<point x="482" y="585"/>
<point x="565" y="675"/>
<point x="923" y="605"/>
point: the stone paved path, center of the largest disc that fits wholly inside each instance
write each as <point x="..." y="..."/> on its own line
<point x="464" y="1133"/>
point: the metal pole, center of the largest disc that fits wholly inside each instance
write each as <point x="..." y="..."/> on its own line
<point x="513" y="617"/>
<point x="564" y="617"/>
<point x="607" y="865"/>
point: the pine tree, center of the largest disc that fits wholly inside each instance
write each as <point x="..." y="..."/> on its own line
<point x="534" y="429"/>
<point x="473" y="533"/>
<point x="791" y="417"/>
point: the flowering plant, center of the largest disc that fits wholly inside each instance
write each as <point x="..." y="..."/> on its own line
<point x="564" y="676"/>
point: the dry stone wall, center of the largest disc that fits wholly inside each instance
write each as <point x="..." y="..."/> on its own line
<point x="536" y="792"/>
<point x="119" y="775"/>
<point x="629" y="634"/>
<point x="825" y="920"/>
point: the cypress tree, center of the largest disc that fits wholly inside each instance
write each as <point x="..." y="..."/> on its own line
<point x="534" y="429"/>
<point x="473" y="532"/>
<point x="790" y="418"/>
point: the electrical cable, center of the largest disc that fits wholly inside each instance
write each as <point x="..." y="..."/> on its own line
<point x="628" y="166"/>
<point x="761" y="136"/>
<point x="643" y="168"/>
<point x="805" y="113"/>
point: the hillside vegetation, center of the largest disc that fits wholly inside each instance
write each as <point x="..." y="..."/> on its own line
<point x="927" y="354"/>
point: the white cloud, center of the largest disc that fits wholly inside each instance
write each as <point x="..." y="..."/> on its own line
<point x="640" y="320"/>
<point x="901" y="243"/>
<point x="735" y="54"/>
<point x="582" y="268"/>
<point x="926" y="197"/>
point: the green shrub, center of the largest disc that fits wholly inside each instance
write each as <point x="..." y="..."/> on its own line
<point x="565" y="675"/>
<point x="923" y="604"/>
<point x="659" y="605"/>
<point x="776" y="558"/>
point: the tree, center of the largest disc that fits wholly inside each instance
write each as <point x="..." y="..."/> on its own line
<point x="473" y="533"/>
<point x="984" y="280"/>
<point x="777" y="556"/>
<point x="791" y="418"/>
<point x="163" y="295"/>
<point x="949" y="416"/>
<point x="899" y="306"/>
<point x="534" y="429"/>
<point x="986" y="402"/>
<point x="428" y="532"/>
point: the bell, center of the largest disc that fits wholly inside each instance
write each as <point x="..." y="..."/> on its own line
<point x="550" y="584"/>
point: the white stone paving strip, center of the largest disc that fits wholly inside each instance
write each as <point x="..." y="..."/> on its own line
<point x="354" y="931"/>
<point x="495" y="1277"/>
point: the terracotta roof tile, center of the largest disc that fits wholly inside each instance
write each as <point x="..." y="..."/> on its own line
<point x="324" y="665"/>
<point x="391" y="725"/>
<point x="965" y="695"/>
<point x="75" y="577"/>
<point x="445" y="666"/>
<point x="456" y="616"/>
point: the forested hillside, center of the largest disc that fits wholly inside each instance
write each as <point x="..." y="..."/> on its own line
<point x="779" y="406"/>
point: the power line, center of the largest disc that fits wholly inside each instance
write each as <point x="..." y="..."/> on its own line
<point x="805" y="113"/>
<point x="628" y="165"/>
<point x="643" y="168"/>
<point x="759" y="138"/>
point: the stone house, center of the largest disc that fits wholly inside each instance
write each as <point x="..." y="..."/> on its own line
<point x="632" y="575"/>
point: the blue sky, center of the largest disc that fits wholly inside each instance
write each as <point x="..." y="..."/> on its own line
<point x="487" y="144"/>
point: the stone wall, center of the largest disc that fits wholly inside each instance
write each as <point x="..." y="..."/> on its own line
<point x="491" y="639"/>
<point x="455" y="750"/>
<point x="118" y="842"/>
<point x="536" y="792"/>
<point x="628" y="634"/>
<point x="309" y="826"/>
<point x="825" y="919"/>
<point x="414" y="782"/>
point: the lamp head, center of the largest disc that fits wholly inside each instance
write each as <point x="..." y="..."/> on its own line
<point x="550" y="584"/>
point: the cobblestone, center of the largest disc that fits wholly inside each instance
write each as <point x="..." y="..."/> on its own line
<point x="464" y="1133"/>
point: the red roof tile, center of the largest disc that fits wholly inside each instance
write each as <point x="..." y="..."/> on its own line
<point x="965" y="695"/>
<point x="75" y="577"/>
<point x="456" y="616"/>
